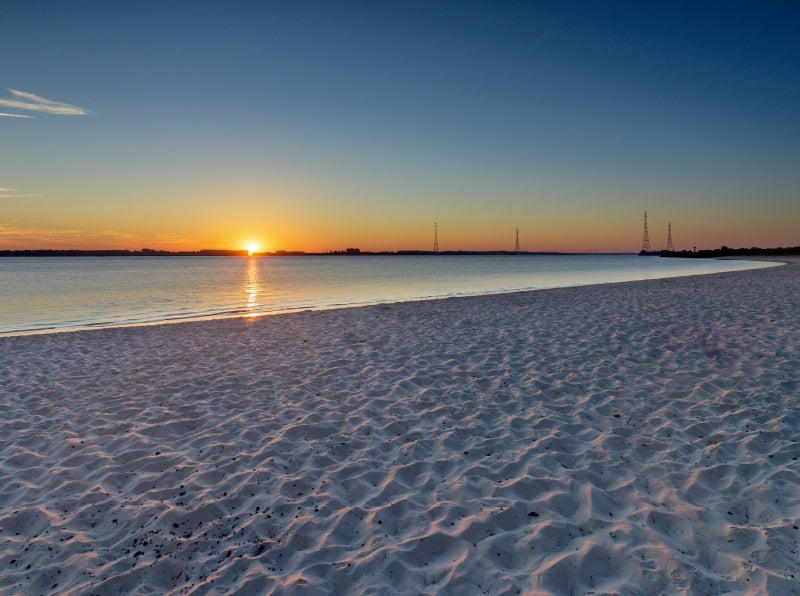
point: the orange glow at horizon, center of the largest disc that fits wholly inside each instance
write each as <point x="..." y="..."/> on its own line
<point x="591" y="231"/>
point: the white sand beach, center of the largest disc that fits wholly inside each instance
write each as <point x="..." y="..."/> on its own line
<point x="631" y="438"/>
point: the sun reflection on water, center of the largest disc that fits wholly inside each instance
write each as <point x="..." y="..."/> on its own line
<point x="252" y="287"/>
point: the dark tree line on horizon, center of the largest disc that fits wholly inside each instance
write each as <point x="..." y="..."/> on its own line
<point x="146" y="252"/>
<point x="725" y="251"/>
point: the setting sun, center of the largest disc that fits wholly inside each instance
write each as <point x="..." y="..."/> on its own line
<point x="252" y="247"/>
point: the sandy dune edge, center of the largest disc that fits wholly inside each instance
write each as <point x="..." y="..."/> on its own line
<point x="631" y="438"/>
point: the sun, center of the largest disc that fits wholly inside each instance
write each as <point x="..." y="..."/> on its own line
<point x="252" y="248"/>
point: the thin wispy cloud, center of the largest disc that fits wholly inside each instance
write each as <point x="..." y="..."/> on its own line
<point x="14" y="232"/>
<point x="30" y="238"/>
<point x="33" y="235"/>
<point x="14" y="193"/>
<point x="33" y="103"/>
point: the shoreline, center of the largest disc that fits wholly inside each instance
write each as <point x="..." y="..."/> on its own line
<point x="242" y="312"/>
<point x="636" y="437"/>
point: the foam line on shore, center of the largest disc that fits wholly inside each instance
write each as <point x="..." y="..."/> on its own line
<point x="631" y="438"/>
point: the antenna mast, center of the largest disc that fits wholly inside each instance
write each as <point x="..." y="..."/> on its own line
<point x="645" y="236"/>
<point x="435" y="237"/>
<point x="516" y="244"/>
<point x="669" y="238"/>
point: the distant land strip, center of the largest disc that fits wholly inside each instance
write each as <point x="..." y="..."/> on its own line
<point x="724" y="251"/>
<point x="146" y="252"/>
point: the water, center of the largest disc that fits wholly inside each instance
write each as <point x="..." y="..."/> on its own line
<point x="61" y="294"/>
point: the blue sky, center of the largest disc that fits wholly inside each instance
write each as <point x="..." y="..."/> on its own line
<point x="320" y="125"/>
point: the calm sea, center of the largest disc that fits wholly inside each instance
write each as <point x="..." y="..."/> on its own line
<point x="61" y="294"/>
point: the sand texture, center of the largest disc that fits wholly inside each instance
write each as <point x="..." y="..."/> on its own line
<point x="633" y="438"/>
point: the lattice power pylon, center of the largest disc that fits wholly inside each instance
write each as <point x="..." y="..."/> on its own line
<point x="645" y="236"/>
<point x="669" y="238"/>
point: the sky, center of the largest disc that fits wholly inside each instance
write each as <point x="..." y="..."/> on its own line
<point x="320" y="126"/>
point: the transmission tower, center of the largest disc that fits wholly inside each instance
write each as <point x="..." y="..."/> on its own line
<point x="645" y="236"/>
<point x="435" y="237"/>
<point x="669" y="238"/>
<point x="516" y="244"/>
